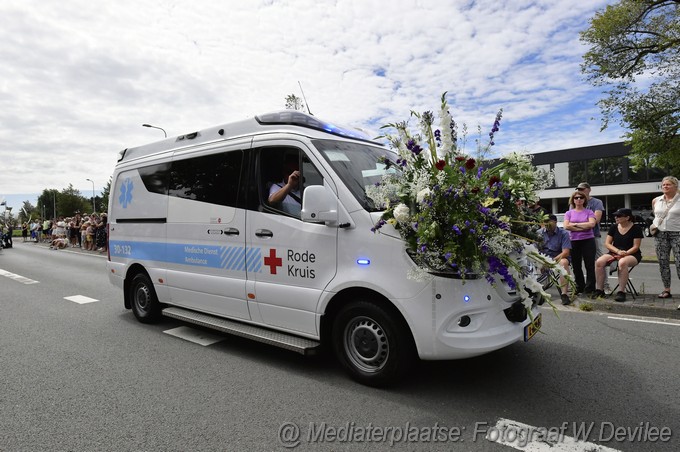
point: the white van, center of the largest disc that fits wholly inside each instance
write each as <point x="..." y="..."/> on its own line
<point x="193" y="236"/>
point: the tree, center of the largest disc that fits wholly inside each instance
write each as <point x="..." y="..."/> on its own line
<point x="54" y="204"/>
<point x="104" y="203"/>
<point x="71" y="201"/>
<point x="28" y="212"/>
<point x="635" y="53"/>
<point x="294" y="103"/>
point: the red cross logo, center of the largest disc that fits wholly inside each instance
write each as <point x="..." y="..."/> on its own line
<point x="272" y="261"/>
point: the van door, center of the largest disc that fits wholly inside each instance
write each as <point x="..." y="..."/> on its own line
<point x="298" y="259"/>
<point x="206" y="231"/>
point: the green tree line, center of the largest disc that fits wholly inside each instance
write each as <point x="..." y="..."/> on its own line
<point x="54" y="203"/>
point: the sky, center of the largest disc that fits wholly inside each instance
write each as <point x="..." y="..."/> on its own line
<point x="79" y="77"/>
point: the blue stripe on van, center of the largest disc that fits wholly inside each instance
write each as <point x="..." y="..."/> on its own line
<point x="234" y="258"/>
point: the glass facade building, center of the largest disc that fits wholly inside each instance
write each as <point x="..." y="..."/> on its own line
<point x="608" y="171"/>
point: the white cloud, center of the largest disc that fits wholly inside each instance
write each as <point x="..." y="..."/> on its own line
<point x="79" y="78"/>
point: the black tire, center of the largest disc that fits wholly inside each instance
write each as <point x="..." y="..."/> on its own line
<point x="373" y="345"/>
<point x="143" y="299"/>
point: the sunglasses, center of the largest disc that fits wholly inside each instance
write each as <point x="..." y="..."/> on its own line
<point x="578" y="197"/>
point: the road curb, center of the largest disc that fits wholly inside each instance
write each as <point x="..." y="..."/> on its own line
<point x="634" y="308"/>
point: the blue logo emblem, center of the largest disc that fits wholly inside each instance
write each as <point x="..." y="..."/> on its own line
<point x="125" y="197"/>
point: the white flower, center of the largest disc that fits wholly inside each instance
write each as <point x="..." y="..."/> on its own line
<point x="422" y="194"/>
<point x="401" y="213"/>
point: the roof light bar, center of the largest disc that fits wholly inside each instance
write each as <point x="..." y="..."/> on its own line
<point x="297" y="118"/>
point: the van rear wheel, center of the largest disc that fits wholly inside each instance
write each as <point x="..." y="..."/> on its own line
<point x="373" y="346"/>
<point x="145" y="305"/>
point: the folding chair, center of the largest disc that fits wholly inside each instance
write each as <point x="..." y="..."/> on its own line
<point x="630" y="287"/>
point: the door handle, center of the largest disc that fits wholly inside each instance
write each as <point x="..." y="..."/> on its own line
<point x="264" y="233"/>
<point x="231" y="231"/>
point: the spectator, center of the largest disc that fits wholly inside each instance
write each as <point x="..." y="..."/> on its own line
<point x="580" y="222"/>
<point x="24" y="231"/>
<point x="623" y="243"/>
<point x="667" y="226"/>
<point x="59" y="243"/>
<point x="597" y="207"/>
<point x="83" y="231"/>
<point x="10" y="233"/>
<point x="100" y="234"/>
<point x="78" y="224"/>
<point x="34" y="229"/>
<point x="557" y="245"/>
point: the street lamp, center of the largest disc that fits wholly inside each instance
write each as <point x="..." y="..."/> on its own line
<point x="154" y="127"/>
<point x="94" y="206"/>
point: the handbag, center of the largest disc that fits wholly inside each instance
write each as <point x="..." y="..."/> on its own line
<point x="654" y="229"/>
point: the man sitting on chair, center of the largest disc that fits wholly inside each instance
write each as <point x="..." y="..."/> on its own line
<point x="556" y="244"/>
<point x="623" y="243"/>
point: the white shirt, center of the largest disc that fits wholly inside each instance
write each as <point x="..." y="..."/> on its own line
<point x="671" y="222"/>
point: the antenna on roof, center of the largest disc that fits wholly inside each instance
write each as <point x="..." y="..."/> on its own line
<point x="303" y="96"/>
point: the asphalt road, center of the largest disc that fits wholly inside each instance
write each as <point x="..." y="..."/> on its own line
<point x="84" y="377"/>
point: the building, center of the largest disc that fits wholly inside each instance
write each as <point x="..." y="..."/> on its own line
<point x="608" y="171"/>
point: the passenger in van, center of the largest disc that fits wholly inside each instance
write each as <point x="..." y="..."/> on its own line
<point x="285" y="195"/>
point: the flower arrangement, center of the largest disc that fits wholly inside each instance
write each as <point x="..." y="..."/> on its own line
<point x="460" y="214"/>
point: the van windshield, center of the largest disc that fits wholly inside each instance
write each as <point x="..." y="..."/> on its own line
<point x="358" y="166"/>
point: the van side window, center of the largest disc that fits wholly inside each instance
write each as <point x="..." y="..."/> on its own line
<point x="214" y="178"/>
<point x="278" y="191"/>
<point x="155" y="178"/>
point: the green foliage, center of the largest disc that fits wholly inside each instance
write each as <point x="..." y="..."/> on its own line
<point x="631" y="40"/>
<point x="104" y="203"/>
<point x="585" y="306"/>
<point x="53" y="203"/>
<point x="294" y="103"/>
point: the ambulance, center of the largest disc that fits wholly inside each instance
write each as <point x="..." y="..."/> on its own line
<point x="194" y="236"/>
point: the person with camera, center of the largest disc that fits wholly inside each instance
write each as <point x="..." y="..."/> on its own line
<point x="285" y="195"/>
<point x="666" y="231"/>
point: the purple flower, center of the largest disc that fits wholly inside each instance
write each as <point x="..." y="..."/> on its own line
<point x="413" y="147"/>
<point x="456" y="229"/>
<point x="378" y="225"/>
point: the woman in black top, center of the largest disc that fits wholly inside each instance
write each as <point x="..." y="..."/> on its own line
<point x="623" y="243"/>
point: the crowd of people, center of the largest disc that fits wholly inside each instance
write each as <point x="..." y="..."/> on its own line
<point x="578" y="245"/>
<point x="79" y="231"/>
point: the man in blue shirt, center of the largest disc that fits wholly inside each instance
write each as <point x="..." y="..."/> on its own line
<point x="556" y="244"/>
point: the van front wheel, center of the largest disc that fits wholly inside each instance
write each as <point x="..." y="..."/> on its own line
<point x="145" y="305"/>
<point x="374" y="347"/>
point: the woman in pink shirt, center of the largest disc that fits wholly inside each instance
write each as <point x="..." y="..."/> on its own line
<point x="580" y="222"/>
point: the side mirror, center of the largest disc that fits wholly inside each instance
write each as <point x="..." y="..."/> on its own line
<point x="319" y="205"/>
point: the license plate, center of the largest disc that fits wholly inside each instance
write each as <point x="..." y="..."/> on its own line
<point x="532" y="328"/>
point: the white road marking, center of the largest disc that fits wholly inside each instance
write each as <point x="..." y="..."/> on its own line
<point x="80" y="299"/>
<point x="18" y="278"/>
<point x="528" y="438"/>
<point x="195" y="336"/>
<point x="658" y="322"/>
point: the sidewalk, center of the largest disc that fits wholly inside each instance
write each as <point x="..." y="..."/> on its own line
<point x="62" y="250"/>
